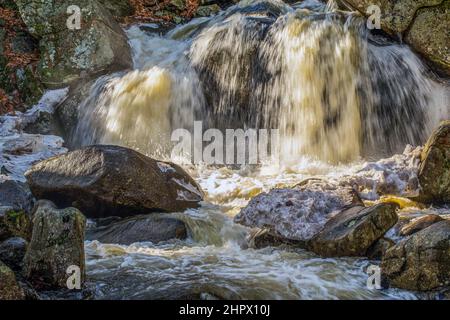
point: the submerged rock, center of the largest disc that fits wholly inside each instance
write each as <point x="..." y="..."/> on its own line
<point x="12" y="252"/>
<point x="9" y="287"/>
<point x="421" y="261"/>
<point x="14" y="223"/>
<point x="297" y="214"/>
<point x="434" y="171"/>
<point x="113" y="181"/>
<point x="420" y="223"/>
<point x="353" y="231"/>
<point x="149" y="228"/>
<point x="57" y="244"/>
<point x="98" y="46"/>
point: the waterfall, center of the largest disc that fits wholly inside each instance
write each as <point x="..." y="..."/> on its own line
<point x="335" y="90"/>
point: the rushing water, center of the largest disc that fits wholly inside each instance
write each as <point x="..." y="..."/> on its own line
<point x="338" y="93"/>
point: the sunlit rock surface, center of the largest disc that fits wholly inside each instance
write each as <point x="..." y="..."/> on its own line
<point x="353" y="231"/>
<point x="434" y="172"/>
<point x="421" y="261"/>
<point x="107" y="180"/>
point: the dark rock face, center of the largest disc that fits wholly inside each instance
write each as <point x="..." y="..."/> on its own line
<point x="12" y="252"/>
<point x="421" y="261"/>
<point x="68" y="54"/>
<point x="379" y="248"/>
<point x="57" y="244"/>
<point x="14" y="223"/>
<point x="150" y="228"/>
<point x="9" y="288"/>
<point x="113" y="181"/>
<point x="16" y="195"/>
<point x="434" y="171"/>
<point x="352" y="232"/>
<point x="419" y="224"/>
<point x="262" y="238"/>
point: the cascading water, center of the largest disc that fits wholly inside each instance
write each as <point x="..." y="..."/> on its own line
<point x="336" y="91"/>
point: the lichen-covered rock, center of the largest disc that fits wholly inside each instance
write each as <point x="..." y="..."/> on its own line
<point x="16" y="195"/>
<point x="9" y="288"/>
<point x="14" y="223"/>
<point x="149" y="228"/>
<point x="113" y="181"/>
<point x="12" y="252"/>
<point x="299" y="213"/>
<point x="98" y="47"/>
<point x="205" y="11"/>
<point x="421" y="261"/>
<point x="434" y="171"/>
<point x="118" y="8"/>
<point x="419" y="223"/>
<point x="424" y="25"/>
<point x="396" y="15"/>
<point x="429" y="34"/>
<point x="353" y="231"/>
<point x="57" y="244"/>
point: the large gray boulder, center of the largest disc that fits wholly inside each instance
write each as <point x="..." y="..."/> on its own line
<point x="148" y="228"/>
<point x="421" y="261"/>
<point x="57" y="244"/>
<point x="67" y="54"/>
<point x="434" y="171"/>
<point x="352" y="232"/>
<point x="113" y="181"/>
<point x="300" y="213"/>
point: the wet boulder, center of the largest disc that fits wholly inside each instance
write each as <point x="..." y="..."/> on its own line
<point x="422" y="261"/>
<point x="9" y="287"/>
<point x="57" y="244"/>
<point x="113" y="181"/>
<point x="434" y="171"/>
<point x="353" y="231"/>
<point x="300" y="213"/>
<point x="153" y="228"/>
<point x="12" y="252"/>
<point x="420" y="223"/>
<point x="70" y="51"/>
<point x="14" y="223"/>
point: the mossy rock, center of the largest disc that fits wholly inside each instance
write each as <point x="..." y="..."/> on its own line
<point x="14" y="223"/>
<point x="9" y="288"/>
<point x="57" y="243"/>
<point x="434" y="171"/>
